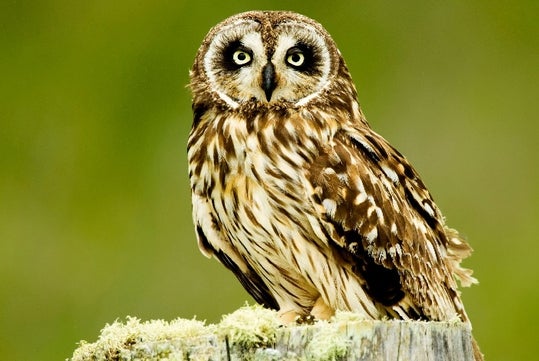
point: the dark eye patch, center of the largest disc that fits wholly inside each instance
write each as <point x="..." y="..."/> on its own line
<point x="311" y="63"/>
<point x="227" y="59"/>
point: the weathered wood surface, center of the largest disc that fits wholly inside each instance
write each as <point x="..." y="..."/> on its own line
<point x="373" y="341"/>
<point x="257" y="340"/>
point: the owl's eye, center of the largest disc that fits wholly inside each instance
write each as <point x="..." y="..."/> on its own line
<point x="241" y="57"/>
<point x="302" y="57"/>
<point x="235" y="56"/>
<point x="296" y="58"/>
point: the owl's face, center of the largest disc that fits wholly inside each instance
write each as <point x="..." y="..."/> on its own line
<point x="267" y="57"/>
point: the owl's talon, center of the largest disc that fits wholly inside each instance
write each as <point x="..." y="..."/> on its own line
<point x="305" y="320"/>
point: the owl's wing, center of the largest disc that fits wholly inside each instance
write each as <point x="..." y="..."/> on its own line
<point x="380" y="215"/>
<point x="211" y="243"/>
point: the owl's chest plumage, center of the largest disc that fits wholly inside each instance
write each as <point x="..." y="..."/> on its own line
<point x="257" y="187"/>
<point x="257" y="195"/>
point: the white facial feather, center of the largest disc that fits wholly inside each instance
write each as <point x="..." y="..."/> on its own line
<point x="292" y="85"/>
<point x="239" y="29"/>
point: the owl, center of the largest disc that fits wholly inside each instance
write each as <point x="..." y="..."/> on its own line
<point x="294" y="192"/>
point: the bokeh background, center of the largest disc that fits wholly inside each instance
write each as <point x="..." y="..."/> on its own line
<point x="94" y="115"/>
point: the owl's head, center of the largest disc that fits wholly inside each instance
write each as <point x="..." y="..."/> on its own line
<point x="266" y="57"/>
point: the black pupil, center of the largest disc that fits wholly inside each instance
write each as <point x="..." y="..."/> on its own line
<point x="295" y="58"/>
<point x="242" y="56"/>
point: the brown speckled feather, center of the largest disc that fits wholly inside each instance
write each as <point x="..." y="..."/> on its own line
<point x="294" y="192"/>
<point x="382" y="215"/>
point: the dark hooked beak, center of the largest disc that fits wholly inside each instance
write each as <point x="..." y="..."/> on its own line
<point x="268" y="80"/>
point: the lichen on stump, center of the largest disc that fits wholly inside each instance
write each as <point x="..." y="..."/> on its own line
<point x="254" y="333"/>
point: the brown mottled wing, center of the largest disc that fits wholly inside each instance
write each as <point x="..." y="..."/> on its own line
<point x="382" y="217"/>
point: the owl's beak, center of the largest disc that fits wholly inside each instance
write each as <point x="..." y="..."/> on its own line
<point x="268" y="80"/>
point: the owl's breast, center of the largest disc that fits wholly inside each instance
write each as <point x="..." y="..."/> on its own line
<point x="258" y="192"/>
<point x="253" y="181"/>
<point x="252" y="171"/>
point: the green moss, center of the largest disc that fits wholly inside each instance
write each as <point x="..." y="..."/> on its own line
<point x="328" y="343"/>
<point x="253" y="333"/>
<point x="249" y="327"/>
<point x="155" y="339"/>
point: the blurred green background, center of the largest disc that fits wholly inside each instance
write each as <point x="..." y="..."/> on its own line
<point x="94" y="202"/>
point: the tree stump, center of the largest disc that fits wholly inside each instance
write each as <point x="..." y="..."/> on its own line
<point x="254" y="333"/>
